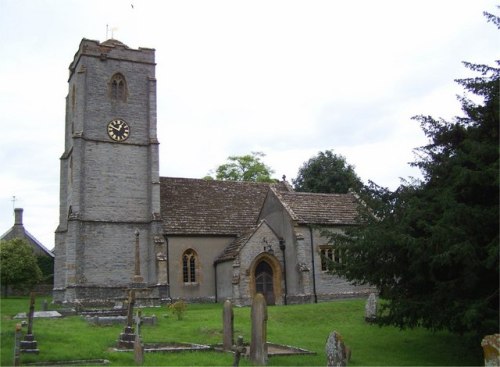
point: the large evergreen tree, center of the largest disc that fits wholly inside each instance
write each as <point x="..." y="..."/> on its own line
<point x="432" y="246"/>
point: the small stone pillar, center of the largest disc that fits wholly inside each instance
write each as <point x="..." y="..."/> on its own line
<point x="17" y="345"/>
<point x="258" y="344"/>
<point x="227" y="325"/>
<point x="491" y="349"/>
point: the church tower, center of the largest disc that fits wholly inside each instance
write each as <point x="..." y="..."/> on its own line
<point x="109" y="180"/>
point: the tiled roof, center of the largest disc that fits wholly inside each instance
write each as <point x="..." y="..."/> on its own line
<point x="210" y="207"/>
<point x="320" y="209"/>
<point x="234" y="247"/>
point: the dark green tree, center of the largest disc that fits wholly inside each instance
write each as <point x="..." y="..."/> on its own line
<point x="18" y="265"/>
<point x="327" y="173"/>
<point x="432" y="247"/>
<point x="245" y="168"/>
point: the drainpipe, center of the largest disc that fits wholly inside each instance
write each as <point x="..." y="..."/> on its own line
<point x="215" y="280"/>
<point x="168" y="266"/>
<point x="313" y="266"/>
<point x="282" y="248"/>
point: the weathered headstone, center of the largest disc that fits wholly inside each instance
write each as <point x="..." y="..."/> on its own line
<point x="336" y="354"/>
<point x="227" y="325"/>
<point x="45" y="305"/>
<point x="238" y="349"/>
<point x="258" y="343"/>
<point x="491" y="349"/>
<point x="138" y="347"/>
<point x="127" y="338"/>
<point x="29" y="344"/>
<point x="371" y="308"/>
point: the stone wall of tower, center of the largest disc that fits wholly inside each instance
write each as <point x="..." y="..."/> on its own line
<point x="109" y="189"/>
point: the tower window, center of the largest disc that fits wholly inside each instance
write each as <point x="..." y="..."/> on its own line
<point x="118" y="88"/>
<point x="189" y="264"/>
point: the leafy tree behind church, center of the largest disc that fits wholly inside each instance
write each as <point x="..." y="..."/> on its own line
<point x="18" y="266"/>
<point x="431" y="247"/>
<point x="327" y="173"/>
<point x="248" y="167"/>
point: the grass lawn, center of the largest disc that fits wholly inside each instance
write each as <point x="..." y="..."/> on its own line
<point x="303" y="326"/>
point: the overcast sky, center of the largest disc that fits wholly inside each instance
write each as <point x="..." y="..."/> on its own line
<point x="286" y="78"/>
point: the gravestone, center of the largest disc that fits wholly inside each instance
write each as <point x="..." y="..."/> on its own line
<point x="371" y="308"/>
<point x="258" y="343"/>
<point x="491" y="349"/>
<point x="17" y="345"/>
<point x="238" y="349"/>
<point x="336" y="354"/>
<point x="29" y="344"/>
<point x="227" y="325"/>
<point x="127" y="337"/>
<point x="138" y="347"/>
<point x="45" y="305"/>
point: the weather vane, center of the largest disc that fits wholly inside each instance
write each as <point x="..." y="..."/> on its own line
<point x="113" y="29"/>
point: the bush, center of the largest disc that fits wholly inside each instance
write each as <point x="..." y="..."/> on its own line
<point x="178" y="308"/>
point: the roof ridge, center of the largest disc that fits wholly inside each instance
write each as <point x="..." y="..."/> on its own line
<point x="320" y="193"/>
<point x="285" y="205"/>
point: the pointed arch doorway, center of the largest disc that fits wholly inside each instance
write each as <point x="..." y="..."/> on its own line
<point x="266" y="278"/>
<point x="264" y="282"/>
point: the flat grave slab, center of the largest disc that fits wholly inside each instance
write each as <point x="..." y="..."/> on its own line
<point x="39" y="314"/>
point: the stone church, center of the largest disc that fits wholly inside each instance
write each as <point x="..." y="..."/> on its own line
<point x="123" y="226"/>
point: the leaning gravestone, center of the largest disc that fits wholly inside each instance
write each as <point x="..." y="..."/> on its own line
<point x="336" y="354"/>
<point x="371" y="308"/>
<point x="228" y="325"/>
<point x="258" y="343"/>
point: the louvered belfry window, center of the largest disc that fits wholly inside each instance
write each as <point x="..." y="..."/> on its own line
<point x="118" y="87"/>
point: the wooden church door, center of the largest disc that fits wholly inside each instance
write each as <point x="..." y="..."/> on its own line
<point x="264" y="282"/>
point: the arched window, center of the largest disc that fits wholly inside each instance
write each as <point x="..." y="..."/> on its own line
<point x="189" y="264"/>
<point x="118" y="87"/>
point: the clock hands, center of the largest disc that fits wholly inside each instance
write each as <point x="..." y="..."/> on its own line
<point x="117" y="129"/>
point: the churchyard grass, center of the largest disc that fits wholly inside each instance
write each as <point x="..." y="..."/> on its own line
<point x="303" y="326"/>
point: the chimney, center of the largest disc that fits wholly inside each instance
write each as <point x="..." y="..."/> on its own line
<point x="18" y="213"/>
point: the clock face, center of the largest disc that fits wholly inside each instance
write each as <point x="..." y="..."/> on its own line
<point x="118" y="130"/>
